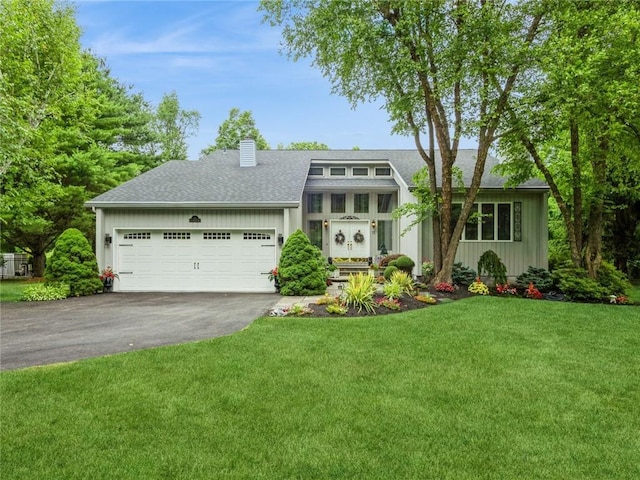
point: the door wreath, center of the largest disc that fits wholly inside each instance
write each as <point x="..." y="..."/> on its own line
<point x="339" y="238"/>
<point x="358" y="237"/>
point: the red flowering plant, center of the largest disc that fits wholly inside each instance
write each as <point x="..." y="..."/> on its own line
<point x="108" y="273"/>
<point x="273" y="274"/>
<point x="533" y="292"/>
<point x="506" y="289"/>
<point x="445" y="287"/>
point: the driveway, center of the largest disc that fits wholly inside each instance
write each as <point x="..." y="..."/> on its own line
<point x="42" y="333"/>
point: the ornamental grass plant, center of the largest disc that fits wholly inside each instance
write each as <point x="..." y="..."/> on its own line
<point x="359" y="292"/>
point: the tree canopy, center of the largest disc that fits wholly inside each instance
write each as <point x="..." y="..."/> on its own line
<point x="172" y="126"/>
<point x="239" y="126"/>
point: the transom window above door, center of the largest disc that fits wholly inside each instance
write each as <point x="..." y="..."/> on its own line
<point x="360" y="203"/>
<point x="338" y="202"/>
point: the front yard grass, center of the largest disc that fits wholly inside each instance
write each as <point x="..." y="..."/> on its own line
<point x="11" y="290"/>
<point x="489" y="388"/>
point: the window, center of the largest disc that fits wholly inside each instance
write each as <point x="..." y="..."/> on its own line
<point x="487" y="221"/>
<point x="314" y="203"/>
<point x="385" y="235"/>
<point x="338" y="171"/>
<point x="383" y="171"/>
<point x="138" y="236"/>
<point x="176" y="235"/>
<point x="315" y="233"/>
<point x="384" y="202"/>
<point x="338" y="202"/>
<point x="316" y="171"/>
<point x="361" y="203"/>
<point x="256" y="236"/>
<point x="360" y="171"/>
<point x="216" y="235"/>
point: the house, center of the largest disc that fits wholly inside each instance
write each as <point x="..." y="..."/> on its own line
<point x="218" y="224"/>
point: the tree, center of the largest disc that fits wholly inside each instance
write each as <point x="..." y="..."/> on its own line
<point x="444" y="69"/>
<point x="238" y="126"/>
<point x="576" y="124"/>
<point x="303" y="146"/>
<point x="301" y="270"/>
<point x="172" y="126"/>
<point x="74" y="263"/>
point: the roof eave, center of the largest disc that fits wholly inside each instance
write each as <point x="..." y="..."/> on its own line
<point x="192" y="205"/>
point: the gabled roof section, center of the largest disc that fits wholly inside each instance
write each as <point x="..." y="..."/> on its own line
<point x="215" y="180"/>
<point x="278" y="179"/>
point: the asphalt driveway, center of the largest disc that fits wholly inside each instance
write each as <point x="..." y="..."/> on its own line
<point x="42" y="333"/>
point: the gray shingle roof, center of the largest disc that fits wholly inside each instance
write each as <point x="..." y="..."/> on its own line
<point x="279" y="178"/>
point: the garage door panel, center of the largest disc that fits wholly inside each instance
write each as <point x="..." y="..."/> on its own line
<point x="196" y="260"/>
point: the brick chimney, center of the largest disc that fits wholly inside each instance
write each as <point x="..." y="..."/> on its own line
<point x="248" y="152"/>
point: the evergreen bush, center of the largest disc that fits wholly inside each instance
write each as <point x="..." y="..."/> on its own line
<point x="405" y="264"/>
<point x="73" y="263"/>
<point x="613" y="280"/>
<point x="389" y="258"/>
<point x="389" y="271"/>
<point x="540" y="277"/>
<point x="302" y="269"/>
<point x="576" y="284"/>
<point x="490" y="263"/>
<point x="462" y="275"/>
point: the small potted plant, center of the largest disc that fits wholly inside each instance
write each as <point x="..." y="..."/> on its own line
<point x="273" y="276"/>
<point x="107" y="277"/>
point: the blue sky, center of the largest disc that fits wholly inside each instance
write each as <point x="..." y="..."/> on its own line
<point x="218" y="55"/>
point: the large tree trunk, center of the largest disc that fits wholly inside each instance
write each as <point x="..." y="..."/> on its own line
<point x="593" y="251"/>
<point x="38" y="264"/>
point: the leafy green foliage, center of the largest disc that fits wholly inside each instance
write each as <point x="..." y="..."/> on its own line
<point x="490" y="263"/>
<point x="239" y="126"/>
<point x="385" y="261"/>
<point x="540" y="277"/>
<point x="359" y="292"/>
<point x="576" y="285"/>
<point x="405" y="264"/>
<point x="337" y="308"/>
<point x="45" y="292"/>
<point x="74" y="263"/>
<point x="478" y="287"/>
<point x="390" y="270"/>
<point x="302" y="269"/>
<point x="172" y="126"/>
<point x="403" y="280"/>
<point x="613" y="280"/>
<point x="462" y="275"/>
<point x="392" y="290"/>
<point x="303" y="146"/>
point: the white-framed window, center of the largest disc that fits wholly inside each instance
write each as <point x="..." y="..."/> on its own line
<point x="137" y="236"/>
<point x="383" y="171"/>
<point x="360" y="203"/>
<point x="338" y="202"/>
<point x="360" y="171"/>
<point x="316" y="171"/>
<point x="385" y="202"/>
<point x="315" y="233"/>
<point x="338" y="171"/>
<point x="216" y="235"/>
<point x="176" y="235"/>
<point x="488" y="221"/>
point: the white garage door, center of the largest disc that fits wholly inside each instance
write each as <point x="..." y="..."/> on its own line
<point x="195" y="261"/>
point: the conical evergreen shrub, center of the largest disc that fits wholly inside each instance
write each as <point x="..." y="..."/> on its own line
<point x="74" y="263"/>
<point x="302" y="268"/>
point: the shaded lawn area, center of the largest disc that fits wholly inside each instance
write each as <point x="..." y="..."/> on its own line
<point x="11" y="290"/>
<point x="480" y="388"/>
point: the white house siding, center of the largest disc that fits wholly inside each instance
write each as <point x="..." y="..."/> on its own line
<point x="517" y="256"/>
<point x="409" y="243"/>
<point x="109" y="221"/>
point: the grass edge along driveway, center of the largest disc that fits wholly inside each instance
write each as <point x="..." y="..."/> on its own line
<point x="479" y="388"/>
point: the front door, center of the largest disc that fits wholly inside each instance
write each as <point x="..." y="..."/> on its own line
<point x="350" y="239"/>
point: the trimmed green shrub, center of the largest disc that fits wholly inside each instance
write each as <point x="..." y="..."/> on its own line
<point x="389" y="271"/>
<point x="405" y="264"/>
<point x="613" y="280"/>
<point x="302" y="269"/>
<point x="359" y="292"/>
<point x="463" y="275"/>
<point x="540" y="277"/>
<point x="389" y="258"/>
<point x="490" y="263"/>
<point x="45" y="292"/>
<point x="576" y="285"/>
<point x="73" y="262"/>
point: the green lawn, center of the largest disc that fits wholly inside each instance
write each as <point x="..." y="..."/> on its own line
<point x="11" y="290"/>
<point x="492" y="388"/>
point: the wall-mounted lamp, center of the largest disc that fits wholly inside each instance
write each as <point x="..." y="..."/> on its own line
<point x="280" y="239"/>
<point x="373" y="224"/>
<point x="326" y="223"/>
<point x="107" y="239"/>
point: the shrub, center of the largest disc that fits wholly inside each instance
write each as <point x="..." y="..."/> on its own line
<point x="359" y="292"/>
<point x="540" y="277"/>
<point x="302" y="268"/>
<point x="493" y="266"/>
<point x="427" y="268"/>
<point x="389" y="271"/>
<point x="45" y="292"/>
<point x="384" y="262"/>
<point x="405" y="264"/>
<point x="73" y="262"/>
<point x="576" y="285"/>
<point x="612" y="280"/>
<point x="403" y="280"/>
<point x="462" y="275"/>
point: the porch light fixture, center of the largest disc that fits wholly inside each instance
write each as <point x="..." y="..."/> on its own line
<point x="280" y="239"/>
<point x="107" y="239"/>
<point x="326" y="223"/>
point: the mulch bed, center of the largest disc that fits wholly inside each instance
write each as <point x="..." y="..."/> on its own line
<point x="407" y="303"/>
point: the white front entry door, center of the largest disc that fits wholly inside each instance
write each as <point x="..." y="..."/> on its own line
<point x="351" y="231"/>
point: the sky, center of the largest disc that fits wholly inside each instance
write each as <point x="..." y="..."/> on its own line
<point x="217" y="55"/>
